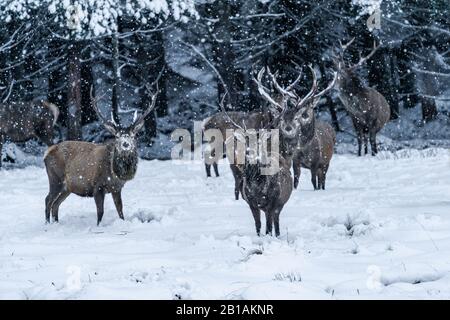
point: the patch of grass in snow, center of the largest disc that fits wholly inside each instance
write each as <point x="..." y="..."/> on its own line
<point x="412" y="153"/>
<point x="144" y="216"/>
<point x="354" y="224"/>
<point x="291" y="276"/>
<point x="182" y="291"/>
<point x="138" y="277"/>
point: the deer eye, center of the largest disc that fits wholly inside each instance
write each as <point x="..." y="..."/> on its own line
<point x="305" y="115"/>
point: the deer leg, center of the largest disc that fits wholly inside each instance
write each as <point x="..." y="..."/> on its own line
<point x="366" y="143"/>
<point x="297" y="171"/>
<point x="48" y="206"/>
<point x="257" y="216"/>
<point x="325" y="170"/>
<point x="237" y="180"/>
<point x="216" y="169"/>
<point x="1" y="149"/>
<point x="57" y="202"/>
<point x="373" y="143"/>
<point x="360" y="138"/>
<point x="208" y="170"/>
<point x="269" y="222"/>
<point x="314" y="177"/>
<point x="321" y="178"/>
<point x="55" y="190"/>
<point x="99" y="198"/>
<point x="117" y="197"/>
<point x="276" y="221"/>
<point x="237" y="187"/>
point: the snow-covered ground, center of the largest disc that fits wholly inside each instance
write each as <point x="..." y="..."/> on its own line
<point x="380" y="230"/>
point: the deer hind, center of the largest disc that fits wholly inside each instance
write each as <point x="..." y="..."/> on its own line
<point x="22" y="121"/>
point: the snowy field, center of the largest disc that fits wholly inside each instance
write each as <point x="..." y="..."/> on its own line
<point x="381" y="230"/>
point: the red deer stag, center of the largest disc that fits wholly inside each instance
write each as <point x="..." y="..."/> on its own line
<point x="232" y="120"/>
<point x="368" y="108"/>
<point x="316" y="139"/>
<point x="240" y="120"/>
<point x="93" y="170"/>
<point x="270" y="193"/>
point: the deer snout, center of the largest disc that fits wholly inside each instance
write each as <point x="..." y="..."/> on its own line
<point x="125" y="144"/>
<point x="288" y="129"/>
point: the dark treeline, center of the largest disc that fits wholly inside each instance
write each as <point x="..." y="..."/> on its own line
<point x="60" y="50"/>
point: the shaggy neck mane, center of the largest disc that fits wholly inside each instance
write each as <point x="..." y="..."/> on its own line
<point x="352" y="84"/>
<point x="124" y="165"/>
<point x="307" y="133"/>
<point x="287" y="146"/>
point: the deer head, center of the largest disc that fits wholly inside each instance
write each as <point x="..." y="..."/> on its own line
<point x="347" y="72"/>
<point x="291" y="120"/>
<point x="125" y="137"/>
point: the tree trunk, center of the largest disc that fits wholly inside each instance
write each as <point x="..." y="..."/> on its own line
<point x="161" y="104"/>
<point x="407" y="80"/>
<point x="57" y="81"/>
<point x="382" y="77"/>
<point x="151" y="61"/>
<point x="223" y="53"/>
<point x="429" y="110"/>
<point x="394" y="85"/>
<point x="87" y="82"/>
<point x="116" y="79"/>
<point x="150" y="121"/>
<point x="74" y="92"/>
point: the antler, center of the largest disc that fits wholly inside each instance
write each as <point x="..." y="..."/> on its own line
<point x="330" y="86"/>
<point x="345" y="46"/>
<point x="284" y="92"/>
<point x="362" y="60"/>
<point x="138" y="121"/>
<point x="222" y="107"/>
<point x="263" y="92"/>
<point x="293" y="84"/>
<point x="313" y="87"/>
<point x="110" y="125"/>
<point x="95" y="107"/>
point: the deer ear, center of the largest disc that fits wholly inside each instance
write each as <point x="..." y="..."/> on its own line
<point x="110" y="127"/>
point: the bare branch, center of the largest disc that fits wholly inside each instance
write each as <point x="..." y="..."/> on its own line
<point x="221" y="104"/>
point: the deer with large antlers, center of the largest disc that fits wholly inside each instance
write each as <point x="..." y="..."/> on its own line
<point x="231" y="120"/>
<point x="368" y="108"/>
<point x="93" y="170"/>
<point x="316" y="139"/>
<point x="270" y="193"/>
<point x="239" y="120"/>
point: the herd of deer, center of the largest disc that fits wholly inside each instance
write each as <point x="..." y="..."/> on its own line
<point x="93" y="170"/>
